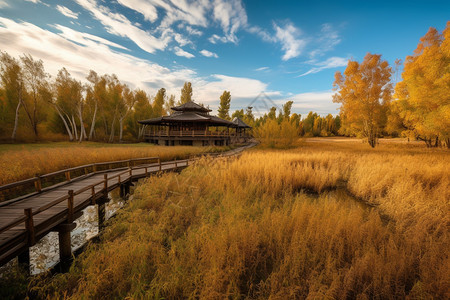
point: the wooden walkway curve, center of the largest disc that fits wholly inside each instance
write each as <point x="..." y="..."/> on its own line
<point x="25" y="220"/>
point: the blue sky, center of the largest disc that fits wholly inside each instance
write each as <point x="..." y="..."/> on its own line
<point x="282" y="50"/>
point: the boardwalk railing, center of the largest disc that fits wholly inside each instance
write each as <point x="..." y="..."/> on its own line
<point x="22" y="187"/>
<point x="27" y="218"/>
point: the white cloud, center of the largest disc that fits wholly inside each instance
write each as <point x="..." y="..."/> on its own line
<point x="290" y="43"/>
<point x="67" y="12"/>
<point x="214" y="38"/>
<point x="332" y="62"/>
<point x="193" y="31"/>
<point x="85" y="39"/>
<point x="208" y="53"/>
<point x="3" y="4"/>
<point x="34" y="1"/>
<point x="262" y="69"/>
<point x="231" y="16"/>
<point x="57" y="51"/>
<point x="148" y="10"/>
<point x="320" y="102"/>
<point x="288" y="36"/>
<point x="119" y="25"/>
<point x="327" y="40"/>
<point x="181" y="52"/>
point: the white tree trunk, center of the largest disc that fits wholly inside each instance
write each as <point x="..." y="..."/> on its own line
<point x="65" y="123"/>
<point x="111" y="136"/>
<point x="91" y="133"/>
<point x="82" y="129"/>
<point x="74" y="126"/>
<point x="16" y="121"/>
<point x="120" y="129"/>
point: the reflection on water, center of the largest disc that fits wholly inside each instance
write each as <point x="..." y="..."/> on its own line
<point x="45" y="254"/>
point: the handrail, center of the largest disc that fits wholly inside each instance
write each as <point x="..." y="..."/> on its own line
<point x="37" y="180"/>
<point x="27" y="218"/>
<point x="29" y="214"/>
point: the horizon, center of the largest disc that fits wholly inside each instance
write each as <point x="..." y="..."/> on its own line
<point x="283" y="52"/>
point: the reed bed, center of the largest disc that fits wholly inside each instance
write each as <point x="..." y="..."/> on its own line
<point x="17" y="164"/>
<point x="250" y="228"/>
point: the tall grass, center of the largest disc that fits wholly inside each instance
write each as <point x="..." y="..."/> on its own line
<point x="17" y="164"/>
<point x="245" y="228"/>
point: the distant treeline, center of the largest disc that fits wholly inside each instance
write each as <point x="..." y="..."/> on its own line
<point x="374" y="102"/>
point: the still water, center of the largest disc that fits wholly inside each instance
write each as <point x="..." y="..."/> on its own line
<point x="45" y="254"/>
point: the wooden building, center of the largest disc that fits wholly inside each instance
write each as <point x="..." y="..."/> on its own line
<point x="191" y="124"/>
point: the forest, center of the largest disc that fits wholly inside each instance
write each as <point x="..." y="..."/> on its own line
<point x="410" y="99"/>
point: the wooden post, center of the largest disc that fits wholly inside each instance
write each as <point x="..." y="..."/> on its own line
<point x="93" y="195"/>
<point x="130" y="171"/>
<point x="70" y="207"/>
<point x="68" y="175"/>
<point x="38" y="183"/>
<point x="159" y="163"/>
<point x="105" y="183"/>
<point x="94" y="167"/>
<point x="176" y="163"/>
<point x="29" y="225"/>
<point x="146" y="172"/>
<point x="65" y="245"/>
<point x="86" y="171"/>
<point x="101" y="215"/>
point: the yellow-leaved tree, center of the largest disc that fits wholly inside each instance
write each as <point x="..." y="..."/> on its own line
<point x="364" y="90"/>
<point x="423" y="96"/>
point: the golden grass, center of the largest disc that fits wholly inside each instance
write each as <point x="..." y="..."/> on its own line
<point x="244" y="229"/>
<point x="22" y="163"/>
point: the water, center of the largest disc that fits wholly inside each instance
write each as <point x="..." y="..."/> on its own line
<point x="45" y="254"/>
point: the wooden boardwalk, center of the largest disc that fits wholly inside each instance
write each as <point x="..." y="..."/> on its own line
<point x="25" y="220"/>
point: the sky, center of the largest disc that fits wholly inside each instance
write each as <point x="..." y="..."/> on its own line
<point x="264" y="52"/>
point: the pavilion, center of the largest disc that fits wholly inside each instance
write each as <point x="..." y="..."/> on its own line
<point x="189" y="124"/>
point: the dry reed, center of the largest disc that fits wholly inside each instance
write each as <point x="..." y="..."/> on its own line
<point x="245" y="229"/>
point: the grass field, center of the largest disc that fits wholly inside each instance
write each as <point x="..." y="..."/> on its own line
<point x="266" y="225"/>
<point x="22" y="161"/>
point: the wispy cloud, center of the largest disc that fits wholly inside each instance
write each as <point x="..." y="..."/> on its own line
<point x="3" y="4"/>
<point x="332" y="62"/>
<point x="262" y="69"/>
<point x="208" y="53"/>
<point x="146" y="8"/>
<point x="289" y="39"/>
<point x="327" y="40"/>
<point x="34" y="1"/>
<point x="180" y="52"/>
<point x="288" y="36"/>
<point x="232" y="16"/>
<point x="119" y="25"/>
<point x="319" y="102"/>
<point x="67" y="12"/>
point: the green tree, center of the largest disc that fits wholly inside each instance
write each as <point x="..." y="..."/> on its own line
<point x="224" y="107"/>
<point x="186" y="93"/>
<point x="158" y="103"/>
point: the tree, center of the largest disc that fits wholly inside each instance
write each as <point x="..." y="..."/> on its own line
<point x="238" y="114"/>
<point x="287" y="109"/>
<point x="12" y="81"/>
<point x="158" y="103"/>
<point x="68" y="103"/>
<point x="186" y="93"/>
<point x="364" y="92"/>
<point x="36" y="83"/>
<point x="128" y="101"/>
<point x="170" y="102"/>
<point x="224" y="107"/>
<point x="423" y="96"/>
